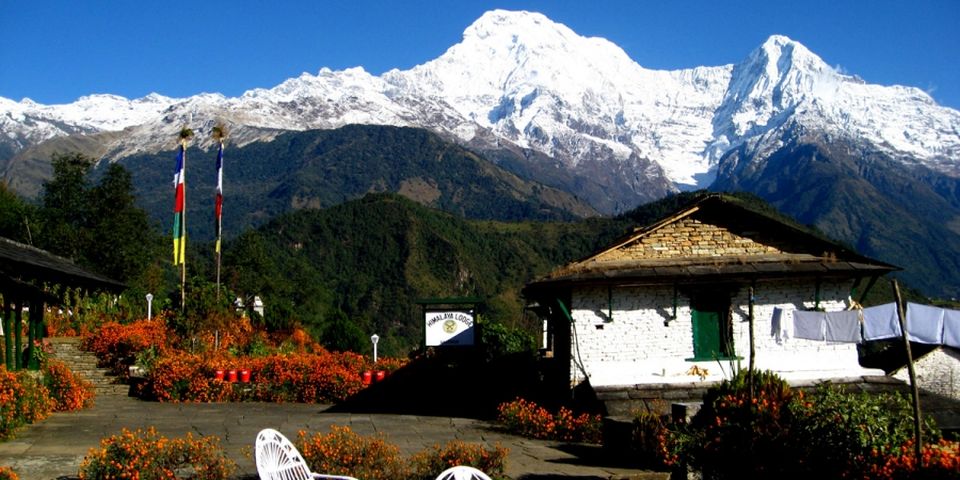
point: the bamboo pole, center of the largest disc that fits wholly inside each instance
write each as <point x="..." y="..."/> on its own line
<point x="914" y="389"/>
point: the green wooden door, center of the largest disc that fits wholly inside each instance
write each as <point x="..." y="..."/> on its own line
<point x="706" y="336"/>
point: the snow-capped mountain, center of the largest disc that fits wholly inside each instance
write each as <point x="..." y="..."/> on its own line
<point x="875" y="166"/>
<point x="520" y="80"/>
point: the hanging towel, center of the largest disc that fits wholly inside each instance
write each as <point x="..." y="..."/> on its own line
<point x="924" y="324"/>
<point x="808" y="325"/>
<point x="881" y="322"/>
<point x="842" y="326"/>
<point x="781" y="325"/>
<point x="951" y="328"/>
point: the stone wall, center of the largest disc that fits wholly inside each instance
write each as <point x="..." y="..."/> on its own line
<point x="689" y="237"/>
<point x="937" y="372"/>
<point x="627" y="336"/>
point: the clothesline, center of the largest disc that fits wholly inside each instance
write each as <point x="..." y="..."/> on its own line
<point x="925" y="324"/>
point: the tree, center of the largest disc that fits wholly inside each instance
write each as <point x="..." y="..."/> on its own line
<point x="65" y="210"/>
<point x="123" y="243"/>
<point x="99" y="227"/>
<point x="17" y="218"/>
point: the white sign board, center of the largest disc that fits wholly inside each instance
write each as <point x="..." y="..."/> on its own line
<point x="449" y="328"/>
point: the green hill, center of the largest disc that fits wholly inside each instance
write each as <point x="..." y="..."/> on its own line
<point x="372" y="258"/>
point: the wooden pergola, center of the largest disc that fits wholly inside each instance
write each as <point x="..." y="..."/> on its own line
<point x="25" y="271"/>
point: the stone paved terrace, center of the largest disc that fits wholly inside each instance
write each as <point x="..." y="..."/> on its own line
<point x="55" y="447"/>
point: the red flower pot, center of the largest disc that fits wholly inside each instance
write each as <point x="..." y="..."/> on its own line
<point x="218" y="374"/>
<point x="381" y="375"/>
<point x="245" y="376"/>
<point x="232" y="376"/>
<point x="367" y="377"/>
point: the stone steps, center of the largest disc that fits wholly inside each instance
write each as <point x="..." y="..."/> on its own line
<point x="67" y="350"/>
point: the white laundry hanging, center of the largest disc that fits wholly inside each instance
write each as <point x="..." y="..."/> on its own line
<point x="881" y="322"/>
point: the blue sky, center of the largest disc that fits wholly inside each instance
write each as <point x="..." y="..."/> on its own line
<point x="56" y="51"/>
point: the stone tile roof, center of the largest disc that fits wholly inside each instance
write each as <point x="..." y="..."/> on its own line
<point x="716" y="238"/>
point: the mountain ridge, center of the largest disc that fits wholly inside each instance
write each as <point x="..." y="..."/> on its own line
<point x="577" y="114"/>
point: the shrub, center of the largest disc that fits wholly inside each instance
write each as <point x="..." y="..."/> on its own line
<point x="427" y="464"/>
<point x="7" y="473"/>
<point x="776" y="432"/>
<point x="69" y="390"/>
<point x="185" y="377"/>
<point x="652" y="442"/>
<point x="732" y="429"/>
<point x="526" y="418"/>
<point x="23" y="399"/>
<point x="941" y="461"/>
<point x="146" y="454"/>
<point x="117" y="345"/>
<point x="343" y="452"/>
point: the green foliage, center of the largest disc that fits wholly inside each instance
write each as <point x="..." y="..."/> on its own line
<point x="204" y="309"/>
<point x="17" y="218"/>
<point x="342" y="335"/>
<point x="500" y="340"/>
<point x="100" y="227"/>
<point x="779" y="432"/>
<point x="373" y="258"/>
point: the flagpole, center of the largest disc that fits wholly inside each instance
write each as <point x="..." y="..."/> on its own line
<point x="183" y="225"/>
<point x="219" y="210"/>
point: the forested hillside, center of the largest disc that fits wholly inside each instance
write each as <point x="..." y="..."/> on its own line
<point x="369" y="260"/>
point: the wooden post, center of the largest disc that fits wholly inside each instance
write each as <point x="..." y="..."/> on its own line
<point x="914" y="389"/>
<point x="8" y="332"/>
<point x="753" y="351"/>
<point x="17" y="334"/>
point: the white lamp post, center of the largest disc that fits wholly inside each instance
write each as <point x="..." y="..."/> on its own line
<point x="149" y="306"/>
<point x="374" y="338"/>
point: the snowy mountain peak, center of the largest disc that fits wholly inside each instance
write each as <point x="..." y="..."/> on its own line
<point x="518" y="78"/>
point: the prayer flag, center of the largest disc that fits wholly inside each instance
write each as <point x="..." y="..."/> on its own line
<point x="218" y="208"/>
<point x="179" y="232"/>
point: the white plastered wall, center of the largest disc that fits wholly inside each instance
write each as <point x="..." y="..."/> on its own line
<point x="625" y="336"/>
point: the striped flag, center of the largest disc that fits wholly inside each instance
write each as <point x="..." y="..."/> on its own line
<point x="218" y="208"/>
<point x="179" y="232"/>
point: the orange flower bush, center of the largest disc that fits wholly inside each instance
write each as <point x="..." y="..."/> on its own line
<point x="146" y="454"/>
<point x="307" y="378"/>
<point x="185" y="377"/>
<point x="23" y="400"/>
<point x="429" y="463"/>
<point x="116" y="345"/>
<point x="69" y="390"/>
<point x="316" y="378"/>
<point x="7" y="473"/>
<point x="528" y="419"/>
<point x="343" y="452"/>
<point x="941" y="460"/>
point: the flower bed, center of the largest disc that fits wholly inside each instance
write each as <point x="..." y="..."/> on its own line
<point x="23" y="399"/>
<point x="147" y="454"/>
<point x="321" y="377"/>
<point x="343" y="452"/>
<point x="528" y="419"/>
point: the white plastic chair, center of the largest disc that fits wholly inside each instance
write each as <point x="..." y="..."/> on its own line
<point x="462" y="472"/>
<point x="278" y="459"/>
